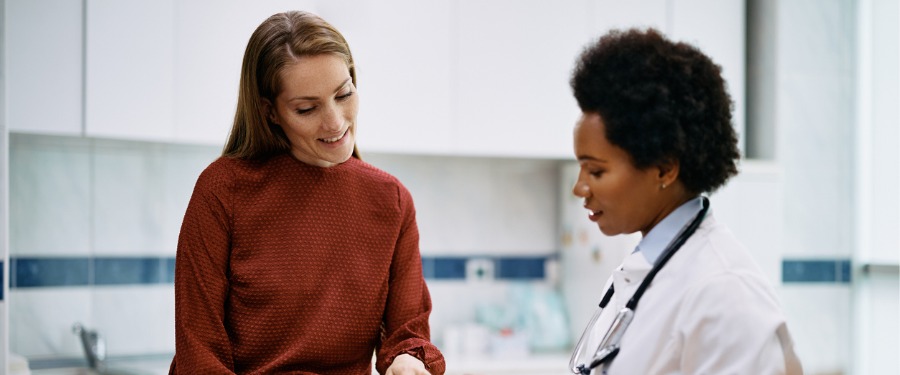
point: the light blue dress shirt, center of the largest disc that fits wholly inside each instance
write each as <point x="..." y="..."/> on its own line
<point x="665" y="231"/>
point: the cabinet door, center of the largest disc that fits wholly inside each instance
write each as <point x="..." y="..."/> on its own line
<point x="129" y="70"/>
<point x="717" y="27"/>
<point x="403" y="61"/>
<point x="617" y="14"/>
<point x="44" y="57"/>
<point x="209" y="49"/>
<point x="514" y="61"/>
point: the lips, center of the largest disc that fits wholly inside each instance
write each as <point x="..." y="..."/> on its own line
<point x="335" y="138"/>
<point x="593" y="215"/>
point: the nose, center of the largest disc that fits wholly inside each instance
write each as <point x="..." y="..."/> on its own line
<point x="333" y="118"/>
<point x="581" y="189"/>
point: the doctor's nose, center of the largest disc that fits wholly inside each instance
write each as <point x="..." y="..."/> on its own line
<point x="581" y="190"/>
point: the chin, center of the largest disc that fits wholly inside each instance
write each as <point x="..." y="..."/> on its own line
<point x="609" y="231"/>
<point x="338" y="159"/>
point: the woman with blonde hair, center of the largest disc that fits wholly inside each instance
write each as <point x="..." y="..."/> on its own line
<point x="294" y="255"/>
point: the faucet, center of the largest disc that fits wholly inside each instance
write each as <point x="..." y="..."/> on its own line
<point x="93" y="344"/>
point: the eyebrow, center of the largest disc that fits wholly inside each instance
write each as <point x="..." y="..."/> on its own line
<point x="315" y="97"/>
<point x="582" y="158"/>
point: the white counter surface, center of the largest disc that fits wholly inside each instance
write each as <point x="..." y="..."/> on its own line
<point x="534" y="364"/>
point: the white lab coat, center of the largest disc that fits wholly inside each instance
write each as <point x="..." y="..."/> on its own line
<point x="709" y="310"/>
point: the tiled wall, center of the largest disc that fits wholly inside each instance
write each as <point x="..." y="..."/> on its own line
<point x="95" y="225"/>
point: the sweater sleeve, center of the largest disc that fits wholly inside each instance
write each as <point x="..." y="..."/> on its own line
<point x="405" y="325"/>
<point x="202" y="345"/>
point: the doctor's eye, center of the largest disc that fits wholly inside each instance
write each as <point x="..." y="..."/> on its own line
<point x="596" y="173"/>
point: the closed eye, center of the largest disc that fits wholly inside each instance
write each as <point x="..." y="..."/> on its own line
<point x="345" y="96"/>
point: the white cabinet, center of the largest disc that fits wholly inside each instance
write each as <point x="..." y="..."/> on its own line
<point x="491" y="78"/>
<point x="209" y="47"/>
<point x="167" y="70"/>
<point x="616" y="14"/>
<point x="403" y="62"/>
<point x="512" y="93"/>
<point x="44" y="66"/>
<point x="130" y="69"/>
<point x="485" y="78"/>
<point x="464" y="77"/>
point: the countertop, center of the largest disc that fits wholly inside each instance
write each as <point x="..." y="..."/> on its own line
<point x="534" y="364"/>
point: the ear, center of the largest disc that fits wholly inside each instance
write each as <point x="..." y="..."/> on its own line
<point x="668" y="172"/>
<point x="268" y="110"/>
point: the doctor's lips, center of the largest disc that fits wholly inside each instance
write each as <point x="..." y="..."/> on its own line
<point x="593" y="215"/>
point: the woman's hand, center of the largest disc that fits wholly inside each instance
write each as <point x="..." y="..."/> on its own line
<point x="406" y="364"/>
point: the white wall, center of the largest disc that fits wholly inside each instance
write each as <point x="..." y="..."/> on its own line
<point x="4" y="199"/>
<point x="876" y="326"/>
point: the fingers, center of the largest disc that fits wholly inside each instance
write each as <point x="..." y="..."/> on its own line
<point x="406" y="371"/>
<point x="406" y="364"/>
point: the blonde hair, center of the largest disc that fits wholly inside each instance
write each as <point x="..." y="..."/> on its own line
<point x="278" y="41"/>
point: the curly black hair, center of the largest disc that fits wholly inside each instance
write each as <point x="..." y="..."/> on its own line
<point x="660" y="101"/>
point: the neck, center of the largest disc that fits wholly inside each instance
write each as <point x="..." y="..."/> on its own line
<point x="671" y="200"/>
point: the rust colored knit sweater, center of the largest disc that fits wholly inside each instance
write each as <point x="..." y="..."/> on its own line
<point x="283" y="267"/>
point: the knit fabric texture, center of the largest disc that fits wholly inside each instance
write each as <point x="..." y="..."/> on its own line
<point x="284" y="267"/>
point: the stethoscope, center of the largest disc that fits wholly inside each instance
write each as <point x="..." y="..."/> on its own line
<point x="610" y="344"/>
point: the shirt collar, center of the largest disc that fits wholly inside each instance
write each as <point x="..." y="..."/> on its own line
<point x="659" y="237"/>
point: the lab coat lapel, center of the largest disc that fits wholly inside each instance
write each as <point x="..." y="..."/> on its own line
<point x="627" y="278"/>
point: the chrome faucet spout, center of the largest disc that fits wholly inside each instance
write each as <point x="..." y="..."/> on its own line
<point x="93" y="345"/>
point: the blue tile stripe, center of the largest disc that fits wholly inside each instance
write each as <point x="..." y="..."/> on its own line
<point x="35" y="272"/>
<point x="505" y="268"/>
<point x="444" y="268"/>
<point x="31" y="272"/>
<point x="519" y="268"/>
<point x="170" y="270"/>
<point x="816" y="271"/>
<point x="46" y="272"/>
<point x="129" y="271"/>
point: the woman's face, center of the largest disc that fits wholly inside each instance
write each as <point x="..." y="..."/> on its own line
<point x="317" y="109"/>
<point x="620" y="198"/>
